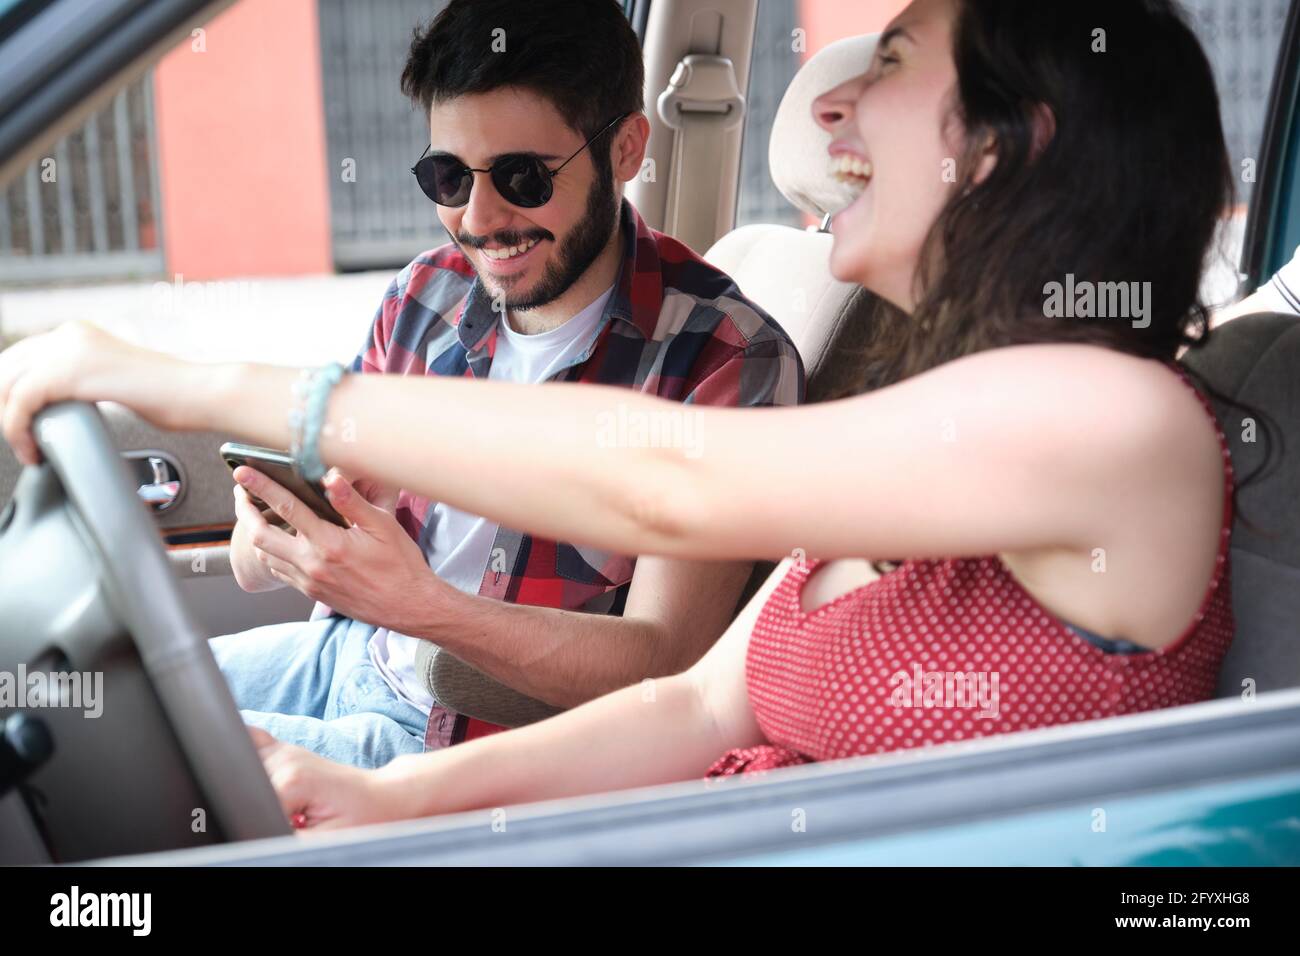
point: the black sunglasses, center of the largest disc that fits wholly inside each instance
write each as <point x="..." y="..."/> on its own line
<point x="521" y="178"/>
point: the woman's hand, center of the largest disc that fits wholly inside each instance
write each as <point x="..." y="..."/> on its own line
<point x="78" y="361"/>
<point x="319" y="794"/>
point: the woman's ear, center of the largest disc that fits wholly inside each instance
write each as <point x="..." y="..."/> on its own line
<point x="1044" y="126"/>
<point x="988" y="159"/>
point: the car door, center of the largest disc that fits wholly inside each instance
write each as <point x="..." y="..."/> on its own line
<point x="185" y="472"/>
<point x="64" y="65"/>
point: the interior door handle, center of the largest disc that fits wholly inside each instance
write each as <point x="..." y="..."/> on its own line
<point x="159" y="480"/>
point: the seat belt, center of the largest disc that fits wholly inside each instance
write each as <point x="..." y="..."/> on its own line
<point x="702" y="104"/>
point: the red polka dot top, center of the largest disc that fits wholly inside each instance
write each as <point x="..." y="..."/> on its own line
<point x="944" y="650"/>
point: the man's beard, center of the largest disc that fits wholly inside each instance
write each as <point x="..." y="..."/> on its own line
<point x="580" y="249"/>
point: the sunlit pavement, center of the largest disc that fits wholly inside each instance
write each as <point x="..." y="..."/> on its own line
<point x="292" y="321"/>
<point x="303" y="320"/>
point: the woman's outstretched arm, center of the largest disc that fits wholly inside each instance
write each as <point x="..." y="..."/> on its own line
<point x="659" y="731"/>
<point x="1041" y="446"/>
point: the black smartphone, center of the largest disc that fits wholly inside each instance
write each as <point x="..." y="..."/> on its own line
<point x="279" y="467"/>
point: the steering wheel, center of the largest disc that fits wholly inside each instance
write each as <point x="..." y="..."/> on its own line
<point x="83" y="565"/>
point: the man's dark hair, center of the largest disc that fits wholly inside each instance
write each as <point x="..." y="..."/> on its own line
<point x="582" y="55"/>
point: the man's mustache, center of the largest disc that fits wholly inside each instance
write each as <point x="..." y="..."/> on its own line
<point x="507" y="237"/>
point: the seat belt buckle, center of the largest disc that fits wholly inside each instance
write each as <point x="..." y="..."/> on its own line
<point x="704" y="86"/>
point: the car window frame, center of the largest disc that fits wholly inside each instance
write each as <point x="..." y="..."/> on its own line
<point x="67" y="60"/>
<point x="638" y="14"/>
<point x="853" y="802"/>
<point x="1273" y="224"/>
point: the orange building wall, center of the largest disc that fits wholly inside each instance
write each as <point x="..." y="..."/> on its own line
<point x="829" y="20"/>
<point x="241" y="139"/>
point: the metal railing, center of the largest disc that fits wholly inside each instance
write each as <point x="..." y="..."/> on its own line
<point x="378" y="218"/>
<point x="88" y="209"/>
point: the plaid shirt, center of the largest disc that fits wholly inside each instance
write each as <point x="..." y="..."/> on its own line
<point x="675" y="327"/>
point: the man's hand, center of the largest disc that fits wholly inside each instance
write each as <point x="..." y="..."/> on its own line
<point x="250" y="570"/>
<point x="319" y="794"/>
<point x="372" y="571"/>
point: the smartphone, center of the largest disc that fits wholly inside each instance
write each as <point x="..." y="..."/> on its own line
<point x="279" y="467"/>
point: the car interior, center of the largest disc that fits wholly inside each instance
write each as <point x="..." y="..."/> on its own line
<point x="95" y="581"/>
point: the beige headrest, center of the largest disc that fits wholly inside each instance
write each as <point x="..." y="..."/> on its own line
<point x="797" y="152"/>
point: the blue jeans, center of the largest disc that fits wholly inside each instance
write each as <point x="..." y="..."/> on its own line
<point x="313" y="684"/>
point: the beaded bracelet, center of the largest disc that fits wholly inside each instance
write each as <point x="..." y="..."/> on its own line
<point x="307" y="417"/>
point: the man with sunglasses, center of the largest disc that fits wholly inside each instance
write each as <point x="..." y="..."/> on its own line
<point x="536" y="121"/>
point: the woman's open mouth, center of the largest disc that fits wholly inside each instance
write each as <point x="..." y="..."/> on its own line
<point x="852" y="171"/>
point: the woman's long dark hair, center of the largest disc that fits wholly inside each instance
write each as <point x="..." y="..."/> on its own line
<point x="1127" y="183"/>
<point x="1111" y="167"/>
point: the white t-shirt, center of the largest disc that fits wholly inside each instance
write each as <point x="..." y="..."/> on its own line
<point x="462" y="543"/>
<point x="1279" y="294"/>
<point x="1282" y="292"/>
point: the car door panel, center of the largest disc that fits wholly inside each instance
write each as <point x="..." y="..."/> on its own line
<point x="196" y="529"/>
<point x="220" y="605"/>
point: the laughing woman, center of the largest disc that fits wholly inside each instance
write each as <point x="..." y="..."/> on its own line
<point x="1053" y="493"/>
